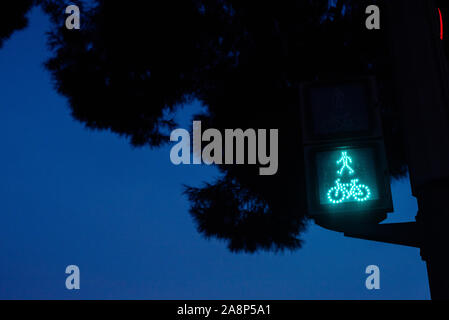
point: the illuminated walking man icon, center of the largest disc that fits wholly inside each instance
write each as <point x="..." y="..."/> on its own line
<point x="347" y="191"/>
<point x="345" y="160"/>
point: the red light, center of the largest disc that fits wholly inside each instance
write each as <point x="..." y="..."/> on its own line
<point x="441" y="24"/>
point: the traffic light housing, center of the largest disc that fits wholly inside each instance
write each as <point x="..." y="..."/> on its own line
<point x="345" y="162"/>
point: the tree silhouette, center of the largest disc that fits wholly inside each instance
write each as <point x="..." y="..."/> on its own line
<point x="133" y="63"/>
<point x="13" y="17"/>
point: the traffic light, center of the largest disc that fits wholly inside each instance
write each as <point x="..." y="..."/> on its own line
<point x="345" y="162"/>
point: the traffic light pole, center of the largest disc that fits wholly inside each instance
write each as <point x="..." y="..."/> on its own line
<point x="421" y="78"/>
<point x="405" y="233"/>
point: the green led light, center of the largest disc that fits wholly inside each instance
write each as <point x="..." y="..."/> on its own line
<point x="344" y="160"/>
<point x="347" y="191"/>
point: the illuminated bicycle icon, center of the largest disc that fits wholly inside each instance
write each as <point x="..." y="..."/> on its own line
<point x="347" y="191"/>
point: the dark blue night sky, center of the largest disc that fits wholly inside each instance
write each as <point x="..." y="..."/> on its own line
<point x="69" y="195"/>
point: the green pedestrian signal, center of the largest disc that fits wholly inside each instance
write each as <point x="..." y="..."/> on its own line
<point x="347" y="179"/>
<point x="345" y="162"/>
<point x="350" y="190"/>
